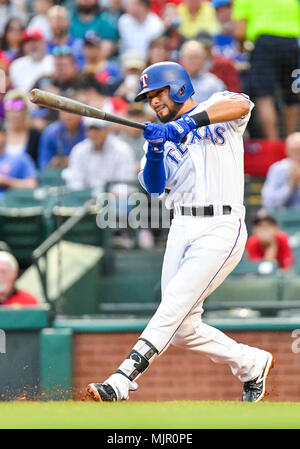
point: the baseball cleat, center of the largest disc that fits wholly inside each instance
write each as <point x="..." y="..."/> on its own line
<point x="255" y="390"/>
<point x="101" y="392"/>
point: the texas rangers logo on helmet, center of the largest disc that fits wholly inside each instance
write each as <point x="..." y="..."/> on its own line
<point x="143" y="79"/>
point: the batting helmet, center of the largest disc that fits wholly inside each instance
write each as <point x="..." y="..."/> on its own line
<point x="163" y="74"/>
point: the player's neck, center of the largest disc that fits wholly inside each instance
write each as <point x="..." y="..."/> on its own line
<point x="186" y="107"/>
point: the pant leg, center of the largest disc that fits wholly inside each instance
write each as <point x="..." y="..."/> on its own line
<point x="215" y="247"/>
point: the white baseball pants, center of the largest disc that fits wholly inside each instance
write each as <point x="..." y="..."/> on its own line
<point x="201" y="252"/>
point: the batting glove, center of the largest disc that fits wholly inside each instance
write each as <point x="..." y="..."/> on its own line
<point x="155" y="134"/>
<point x="176" y="131"/>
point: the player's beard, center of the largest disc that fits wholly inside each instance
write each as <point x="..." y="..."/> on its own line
<point x="173" y="113"/>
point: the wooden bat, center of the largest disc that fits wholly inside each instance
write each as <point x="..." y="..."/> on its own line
<point x="58" y="102"/>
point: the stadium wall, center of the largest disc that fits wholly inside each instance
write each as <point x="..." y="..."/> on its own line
<point x="180" y="374"/>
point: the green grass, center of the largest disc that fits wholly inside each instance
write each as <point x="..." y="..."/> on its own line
<point x="149" y="415"/>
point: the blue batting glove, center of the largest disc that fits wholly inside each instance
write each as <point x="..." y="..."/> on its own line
<point x="175" y="131"/>
<point x="155" y="133"/>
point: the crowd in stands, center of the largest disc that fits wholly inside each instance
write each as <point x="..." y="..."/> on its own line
<point x="95" y="51"/>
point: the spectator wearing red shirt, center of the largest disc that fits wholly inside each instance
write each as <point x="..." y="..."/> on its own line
<point x="9" y="295"/>
<point x="269" y="243"/>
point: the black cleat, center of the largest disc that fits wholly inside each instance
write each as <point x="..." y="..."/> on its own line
<point x="101" y="392"/>
<point x="255" y="390"/>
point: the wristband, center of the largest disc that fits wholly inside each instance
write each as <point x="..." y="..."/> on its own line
<point x="201" y="119"/>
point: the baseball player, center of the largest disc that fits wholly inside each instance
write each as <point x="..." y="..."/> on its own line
<point x="197" y="154"/>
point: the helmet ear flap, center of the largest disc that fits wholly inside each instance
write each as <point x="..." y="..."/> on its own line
<point x="178" y="95"/>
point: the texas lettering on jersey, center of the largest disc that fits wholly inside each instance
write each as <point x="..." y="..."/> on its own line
<point x="215" y="134"/>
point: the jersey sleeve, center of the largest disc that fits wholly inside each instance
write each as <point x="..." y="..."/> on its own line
<point x="238" y="125"/>
<point x="142" y="165"/>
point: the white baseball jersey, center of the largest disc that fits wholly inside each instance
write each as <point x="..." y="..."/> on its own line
<point x="208" y="168"/>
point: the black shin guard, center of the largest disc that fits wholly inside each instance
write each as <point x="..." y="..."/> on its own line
<point x="141" y="356"/>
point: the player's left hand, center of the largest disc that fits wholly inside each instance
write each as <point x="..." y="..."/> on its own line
<point x="176" y="131"/>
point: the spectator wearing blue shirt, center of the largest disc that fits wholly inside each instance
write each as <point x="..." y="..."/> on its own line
<point x="60" y="22"/>
<point x="88" y="16"/>
<point x="282" y="185"/>
<point x="58" y="139"/>
<point x="16" y="171"/>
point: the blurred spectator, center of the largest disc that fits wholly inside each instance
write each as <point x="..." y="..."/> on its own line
<point x="159" y="50"/>
<point x="225" y="43"/>
<point x="21" y="136"/>
<point x="220" y="66"/>
<point x="40" y="20"/>
<point x="16" y="171"/>
<point x="133" y="136"/>
<point x="9" y="295"/>
<point x="107" y="72"/>
<point x="88" y="16"/>
<point x="25" y="71"/>
<point x="100" y="159"/>
<point x="196" y="16"/>
<point x="60" y="22"/>
<point x="157" y="6"/>
<point x="269" y="243"/>
<point x="58" y="139"/>
<point x="193" y="57"/>
<point x="4" y="80"/>
<point x="65" y="74"/>
<point x="274" y="32"/>
<point x="94" y="93"/>
<point x="114" y="7"/>
<point x="11" y="42"/>
<point x="11" y="9"/>
<point x="282" y="185"/>
<point x="138" y="27"/>
<point x="132" y="63"/>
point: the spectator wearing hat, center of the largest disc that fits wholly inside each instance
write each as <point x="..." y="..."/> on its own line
<point x="11" y="42"/>
<point x="282" y="186"/>
<point x="16" y="171"/>
<point x="21" y="135"/>
<point x="88" y="16"/>
<point x="9" y="294"/>
<point x="106" y="72"/>
<point x="58" y="139"/>
<point x="225" y="44"/>
<point x="40" y="20"/>
<point x="196" y="16"/>
<point x="60" y="22"/>
<point x="193" y="57"/>
<point x="99" y="159"/>
<point x="269" y="243"/>
<point x="138" y="27"/>
<point x="65" y="74"/>
<point x="132" y="64"/>
<point x="25" y="71"/>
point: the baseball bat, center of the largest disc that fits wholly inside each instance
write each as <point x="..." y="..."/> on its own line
<point x="53" y="101"/>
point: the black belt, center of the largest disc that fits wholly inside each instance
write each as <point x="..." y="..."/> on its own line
<point x="203" y="211"/>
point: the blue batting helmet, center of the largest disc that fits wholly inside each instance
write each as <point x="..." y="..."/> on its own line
<point x="163" y="74"/>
